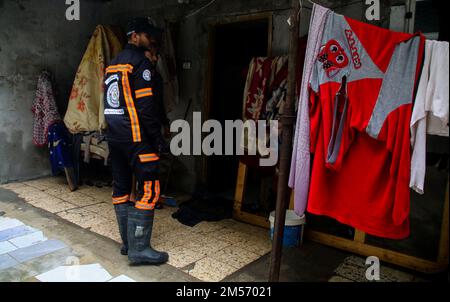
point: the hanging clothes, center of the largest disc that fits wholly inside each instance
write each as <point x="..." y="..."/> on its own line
<point x="45" y="112"/>
<point x="273" y="107"/>
<point x="58" y="144"/>
<point x="256" y="87"/>
<point x="431" y="108"/>
<point x="300" y="163"/>
<point x="361" y="92"/>
<point x="264" y="93"/>
<point x="85" y="107"/>
<point x="95" y="145"/>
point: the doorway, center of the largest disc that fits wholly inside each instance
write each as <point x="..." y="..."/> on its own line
<point x="232" y="46"/>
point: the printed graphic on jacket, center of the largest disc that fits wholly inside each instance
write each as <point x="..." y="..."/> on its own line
<point x="134" y="110"/>
<point x="113" y="93"/>
<point x="333" y="58"/>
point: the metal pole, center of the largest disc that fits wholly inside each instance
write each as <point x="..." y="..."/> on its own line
<point x="287" y="121"/>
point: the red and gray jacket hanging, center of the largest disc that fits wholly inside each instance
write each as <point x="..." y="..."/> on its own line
<point x="361" y="92"/>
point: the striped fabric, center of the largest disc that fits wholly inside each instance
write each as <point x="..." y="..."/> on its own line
<point x="143" y="93"/>
<point x="145" y="158"/>
<point x="121" y="199"/>
<point x="150" y="196"/>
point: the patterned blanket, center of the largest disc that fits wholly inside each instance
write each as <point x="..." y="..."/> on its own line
<point x="85" y="109"/>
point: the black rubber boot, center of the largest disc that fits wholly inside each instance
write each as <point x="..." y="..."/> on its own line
<point x="140" y="225"/>
<point x="122" y="221"/>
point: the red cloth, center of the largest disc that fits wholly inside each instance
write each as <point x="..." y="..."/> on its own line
<point x="256" y="92"/>
<point x="44" y="110"/>
<point x="367" y="186"/>
<point x="266" y="85"/>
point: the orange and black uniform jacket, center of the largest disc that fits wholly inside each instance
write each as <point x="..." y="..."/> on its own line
<point x="133" y="99"/>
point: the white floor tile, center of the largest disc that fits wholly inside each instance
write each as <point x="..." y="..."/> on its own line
<point x="8" y="223"/>
<point x="76" y="273"/>
<point x="28" y="240"/>
<point x="6" y="247"/>
<point x="6" y="261"/>
<point x="122" y="278"/>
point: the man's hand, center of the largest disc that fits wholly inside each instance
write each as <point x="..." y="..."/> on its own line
<point x="152" y="56"/>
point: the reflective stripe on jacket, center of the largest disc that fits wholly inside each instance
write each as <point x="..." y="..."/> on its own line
<point x="132" y="99"/>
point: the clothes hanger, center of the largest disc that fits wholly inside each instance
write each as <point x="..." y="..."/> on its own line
<point x="310" y="1"/>
<point x="301" y="6"/>
<point x="299" y="11"/>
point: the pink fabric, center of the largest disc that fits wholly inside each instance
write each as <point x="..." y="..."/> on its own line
<point x="44" y="110"/>
<point x="300" y="164"/>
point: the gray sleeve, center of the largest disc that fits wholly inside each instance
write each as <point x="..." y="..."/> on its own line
<point x="397" y="88"/>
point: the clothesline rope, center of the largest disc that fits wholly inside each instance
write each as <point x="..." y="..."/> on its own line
<point x="314" y="3"/>
<point x="200" y="9"/>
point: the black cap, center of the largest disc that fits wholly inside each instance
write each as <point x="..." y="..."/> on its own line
<point x="144" y="25"/>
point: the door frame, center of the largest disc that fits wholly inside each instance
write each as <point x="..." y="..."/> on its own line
<point x="212" y="25"/>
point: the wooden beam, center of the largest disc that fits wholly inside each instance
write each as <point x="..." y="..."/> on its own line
<point x="208" y="93"/>
<point x="358" y="246"/>
<point x="240" y="187"/>
<point x="385" y="255"/>
<point x="287" y="120"/>
<point x="70" y="176"/>
<point x="238" y="214"/>
<point x="359" y="236"/>
<point x="252" y="219"/>
<point x="291" y="201"/>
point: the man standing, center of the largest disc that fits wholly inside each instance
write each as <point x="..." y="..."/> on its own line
<point x="134" y="116"/>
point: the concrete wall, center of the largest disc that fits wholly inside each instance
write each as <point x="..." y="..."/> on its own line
<point x="35" y="35"/>
<point x="192" y="42"/>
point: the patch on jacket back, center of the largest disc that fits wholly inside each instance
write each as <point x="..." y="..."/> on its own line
<point x="113" y="95"/>
<point x="114" y="112"/>
<point x="147" y="75"/>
